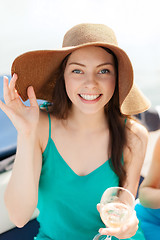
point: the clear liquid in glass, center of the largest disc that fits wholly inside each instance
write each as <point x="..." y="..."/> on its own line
<point x="115" y="214"/>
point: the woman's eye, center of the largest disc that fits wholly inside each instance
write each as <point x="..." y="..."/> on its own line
<point x="103" y="71"/>
<point x="77" y="71"/>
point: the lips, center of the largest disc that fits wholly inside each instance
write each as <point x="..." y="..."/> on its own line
<point x="90" y="97"/>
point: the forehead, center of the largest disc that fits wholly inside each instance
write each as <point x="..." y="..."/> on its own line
<point x="91" y="53"/>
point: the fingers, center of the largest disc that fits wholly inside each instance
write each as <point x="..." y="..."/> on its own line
<point x="133" y="222"/>
<point x="32" y="97"/>
<point x="10" y="92"/>
<point x="121" y="232"/>
<point x="6" y="93"/>
<point x="13" y="92"/>
<point x="9" y="89"/>
<point x="98" y="207"/>
<point x="125" y="231"/>
<point x="107" y="231"/>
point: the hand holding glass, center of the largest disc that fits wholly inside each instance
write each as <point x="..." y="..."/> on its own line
<point x="116" y="207"/>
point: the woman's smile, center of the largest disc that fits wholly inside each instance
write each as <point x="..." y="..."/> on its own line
<point x="90" y="98"/>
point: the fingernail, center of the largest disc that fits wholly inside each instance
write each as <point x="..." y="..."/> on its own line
<point x="14" y="75"/>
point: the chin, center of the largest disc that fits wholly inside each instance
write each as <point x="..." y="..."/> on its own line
<point x="91" y="111"/>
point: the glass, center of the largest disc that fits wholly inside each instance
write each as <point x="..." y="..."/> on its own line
<point x="116" y="207"/>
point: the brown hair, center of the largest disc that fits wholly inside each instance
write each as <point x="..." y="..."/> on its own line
<point x="62" y="104"/>
<point x="116" y="121"/>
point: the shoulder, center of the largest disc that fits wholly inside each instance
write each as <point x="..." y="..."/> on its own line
<point x="152" y="179"/>
<point x="43" y="128"/>
<point x="137" y="134"/>
<point x="137" y="139"/>
<point x="156" y="153"/>
<point x="134" y="152"/>
<point x="157" y="146"/>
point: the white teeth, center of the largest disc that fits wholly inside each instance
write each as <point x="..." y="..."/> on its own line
<point x="89" y="97"/>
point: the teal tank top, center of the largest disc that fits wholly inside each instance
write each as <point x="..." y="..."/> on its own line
<point x="66" y="201"/>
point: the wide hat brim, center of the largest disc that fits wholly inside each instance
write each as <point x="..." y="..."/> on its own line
<point x="38" y="68"/>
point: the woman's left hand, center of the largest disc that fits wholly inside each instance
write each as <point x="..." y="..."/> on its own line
<point x="125" y="231"/>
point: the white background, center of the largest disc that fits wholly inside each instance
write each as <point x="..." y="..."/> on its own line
<point x="41" y="24"/>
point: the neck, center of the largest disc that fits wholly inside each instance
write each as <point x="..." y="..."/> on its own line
<point x="88" y="122"/>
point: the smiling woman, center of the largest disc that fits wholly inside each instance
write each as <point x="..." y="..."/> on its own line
<point x="90" y="82"/>
<point x="86" y="142"/>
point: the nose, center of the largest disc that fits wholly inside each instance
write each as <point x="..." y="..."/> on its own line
<point x="90" y="81"/>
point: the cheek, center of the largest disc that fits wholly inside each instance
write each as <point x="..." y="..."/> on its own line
<point x="69" y="84"/>
<point x="110" y="87"/>
<point x="109" y="90"/>
<point x="113" y="85"/>
<point x="66" y="81"/>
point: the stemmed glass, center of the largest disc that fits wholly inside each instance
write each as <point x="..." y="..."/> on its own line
<point x="116" y="207"/>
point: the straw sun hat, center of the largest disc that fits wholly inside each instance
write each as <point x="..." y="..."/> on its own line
<point x="37" y="68"/>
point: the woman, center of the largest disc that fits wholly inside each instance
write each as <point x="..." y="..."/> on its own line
<point x="66" y="159"/>
<point x="148" y="210"/>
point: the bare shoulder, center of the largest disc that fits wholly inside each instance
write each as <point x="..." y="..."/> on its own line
<point x="43" y="129"/>
<point x="158" y="141"/>
<point x="157" y="146"/>
<point x="156" y="153"/>
<point x="134" y="152"/>
<point x="136" y="132"/>
<point x="137" y="139"/>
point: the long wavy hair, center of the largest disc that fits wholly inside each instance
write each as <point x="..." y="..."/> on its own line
<point x="62" y="104"/>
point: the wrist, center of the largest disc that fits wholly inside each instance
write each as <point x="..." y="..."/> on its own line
<point x="27" y="135"/>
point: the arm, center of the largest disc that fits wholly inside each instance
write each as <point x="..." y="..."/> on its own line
<point x="134" y="153"/>
<point x="149" y="193"/>
<point x="22" y="191"/>
<point x="21" y="194"/>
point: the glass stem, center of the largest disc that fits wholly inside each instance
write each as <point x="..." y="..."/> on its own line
<point x="108" y="237"/>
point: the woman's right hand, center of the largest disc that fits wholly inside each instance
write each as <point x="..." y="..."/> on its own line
<point x="24" y="118"/>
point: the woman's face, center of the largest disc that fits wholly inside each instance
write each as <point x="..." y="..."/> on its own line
<point x="90" y="78"/>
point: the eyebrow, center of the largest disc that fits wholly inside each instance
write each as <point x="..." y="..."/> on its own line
<point x="74" y="63"/>
<point x="80" y="64"/>
<point x="108" y="63"/>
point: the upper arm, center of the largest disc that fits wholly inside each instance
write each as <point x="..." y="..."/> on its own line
<point x="153" y="177"/>
<point x="134" y="154"/>
<point x="37" y="164"/>
<point x="43" y="132"/>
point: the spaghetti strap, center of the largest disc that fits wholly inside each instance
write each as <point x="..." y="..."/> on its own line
<point x="49" y="118"/>
<point x="125" y="120"/>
